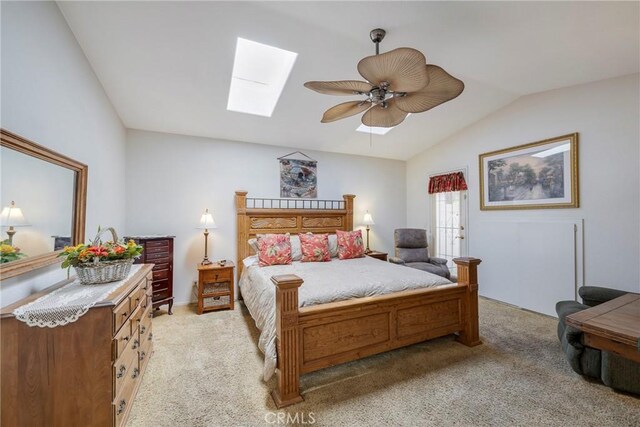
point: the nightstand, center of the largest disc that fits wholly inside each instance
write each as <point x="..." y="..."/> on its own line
<point x="214" y="290"/>
<point x="382" y="256"/>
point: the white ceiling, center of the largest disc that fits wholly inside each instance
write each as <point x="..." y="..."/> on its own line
<point x="166" y="66"/>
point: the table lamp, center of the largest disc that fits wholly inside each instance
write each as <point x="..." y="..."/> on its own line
<point x="206" y="222"/>
<point x="12" y="216"/>
<point x="368" y="221"/>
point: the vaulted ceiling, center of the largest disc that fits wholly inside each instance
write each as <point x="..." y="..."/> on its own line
<point x="166" y="66"/>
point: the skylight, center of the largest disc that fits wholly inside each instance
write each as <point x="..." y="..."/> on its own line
<point x="374" y="130"/>
<point x="259" y="74"/>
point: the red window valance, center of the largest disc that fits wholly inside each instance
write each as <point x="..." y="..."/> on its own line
<point x="449" y="182"/>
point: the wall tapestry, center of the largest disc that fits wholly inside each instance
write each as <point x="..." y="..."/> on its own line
<point x="539" y="175"/>
<point x="298" y="178"/>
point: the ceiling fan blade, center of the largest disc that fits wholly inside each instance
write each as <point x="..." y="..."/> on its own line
<point x="442" y="87"/>
<point x="378" y="116"/>
<point x="341" y="87"/>
<point x="403" y="68"/>
<point x="344" y="110"/>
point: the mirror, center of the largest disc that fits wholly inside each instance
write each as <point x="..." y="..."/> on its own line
<point x="42" y="196"/>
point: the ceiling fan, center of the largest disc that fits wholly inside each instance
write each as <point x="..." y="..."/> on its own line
<point x="399" y="82"/>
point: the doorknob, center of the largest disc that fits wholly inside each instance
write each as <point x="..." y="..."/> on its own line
<point x="460" y="237"/>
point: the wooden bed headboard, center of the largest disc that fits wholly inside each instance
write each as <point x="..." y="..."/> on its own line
<point x="261" y="216"/>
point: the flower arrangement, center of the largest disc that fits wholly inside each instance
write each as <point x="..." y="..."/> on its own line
<point x="100" y="262"/>
<point x="109" y="251"/>
<point x="9" y="252"/>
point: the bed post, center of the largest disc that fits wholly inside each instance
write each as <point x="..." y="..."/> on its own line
<point x="241" y="210"/>
<point x="348" y="206"/>
<point x="287" y="391"/>
<point x="468" y="276"/>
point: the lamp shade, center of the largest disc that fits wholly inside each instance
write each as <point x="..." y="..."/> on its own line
<point x="368" y="219"/>
<point x="206" y="221"/>
<point x="12" y="216"/>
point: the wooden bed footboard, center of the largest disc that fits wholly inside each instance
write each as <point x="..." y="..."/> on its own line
<point x="312" y="338"/>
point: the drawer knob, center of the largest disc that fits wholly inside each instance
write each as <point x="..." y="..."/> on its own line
<point x="150" y="336"/>
<point x="143" y="329"/>
<point x="142" y="355"/>
<point x="135" y="374"/>
<point x="121" y="406"/>
<point x="121" y="371"/>
<point x="125" y="338"/>
<point x="135" y="344"/>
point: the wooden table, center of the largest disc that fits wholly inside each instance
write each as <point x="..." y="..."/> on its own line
<point x="214" y="290"/>
<point x="382" y="256"/>
<point x="613" y="326"/>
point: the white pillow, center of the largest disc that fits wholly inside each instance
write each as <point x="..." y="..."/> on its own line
<point x="296" y="248"/>
<point x="333" y="245"/>
<point x="253" y="244"/>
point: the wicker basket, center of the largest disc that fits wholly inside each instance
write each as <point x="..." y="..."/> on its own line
<point x="103" y="271"/>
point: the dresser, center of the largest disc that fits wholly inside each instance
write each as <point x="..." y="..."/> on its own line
<point x="158" y="250"/>
<point x="85" y="373"/>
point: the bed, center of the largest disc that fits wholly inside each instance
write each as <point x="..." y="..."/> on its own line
<point x="315" y="315"/>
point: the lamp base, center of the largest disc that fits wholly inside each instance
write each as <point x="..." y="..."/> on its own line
<point x="206" y="261"/>
<point x="367" y="251"/>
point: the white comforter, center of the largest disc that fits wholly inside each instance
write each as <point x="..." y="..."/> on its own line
<point x="324" y="282"/>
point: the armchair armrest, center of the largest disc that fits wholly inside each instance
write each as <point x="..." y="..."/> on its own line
<point x="435" y="260"/>
<point x="396" y="260"/>
<point x="594" y="295"/>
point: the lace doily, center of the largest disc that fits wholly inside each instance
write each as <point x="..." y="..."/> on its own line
<point x="68" y="303"/>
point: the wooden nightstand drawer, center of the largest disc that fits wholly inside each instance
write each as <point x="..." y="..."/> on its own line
<point x="162" y="257"/>
<point x="217" y="275"/>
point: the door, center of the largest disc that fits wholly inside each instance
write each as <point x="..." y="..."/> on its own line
<point x="449" y="233"/>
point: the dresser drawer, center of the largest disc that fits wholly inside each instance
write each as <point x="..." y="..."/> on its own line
<point x="157" y="243"/>
<point x="160" y="274"/>
<point x="123" y="368"/>
<point x="121" y="404"/>
<point x="121" y="314"/>
<point x="136" y="297"/>
<point x="217" y="276"/>
<point x="161" y="257"/>
<point x="145" y="325"/>
<point x="121" y="340"/>
<point x="158" y="250"/>
<point x="160" y="266"/>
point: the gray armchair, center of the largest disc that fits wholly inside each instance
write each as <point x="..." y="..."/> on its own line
<point x="412" y="250"/>
<point x="614" y="371"/>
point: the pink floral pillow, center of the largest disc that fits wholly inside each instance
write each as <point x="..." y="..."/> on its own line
<point x="315" y="247"/>
<point x="350" y="244"/>
<point x="274" y="249"/>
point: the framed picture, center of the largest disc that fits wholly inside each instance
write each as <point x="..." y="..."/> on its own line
<point x="539" y="175"/>
<point x="298" y="178"/>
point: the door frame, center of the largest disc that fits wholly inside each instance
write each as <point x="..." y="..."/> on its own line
<point x="465" y="171"/>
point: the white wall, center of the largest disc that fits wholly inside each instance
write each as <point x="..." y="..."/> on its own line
<point x="171" y="179"/>
<point x="606" y="115"/>
<point x="51" y="96"/>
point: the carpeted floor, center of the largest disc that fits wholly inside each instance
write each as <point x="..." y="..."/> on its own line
<point x="206" y="371"/>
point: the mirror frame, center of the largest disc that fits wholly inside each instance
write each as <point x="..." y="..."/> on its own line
<point x="23" y="145"/>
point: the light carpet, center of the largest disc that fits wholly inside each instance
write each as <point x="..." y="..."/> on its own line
<point x="206" y="371"/>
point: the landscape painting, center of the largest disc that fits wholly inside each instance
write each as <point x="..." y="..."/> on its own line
<point x="298" y="179"/>
<point x="542" y="174"/>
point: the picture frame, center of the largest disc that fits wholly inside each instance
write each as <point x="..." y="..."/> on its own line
<point x="537" y="175"/>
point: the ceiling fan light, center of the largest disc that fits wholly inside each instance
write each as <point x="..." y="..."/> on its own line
<point x="378" y="116"/>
